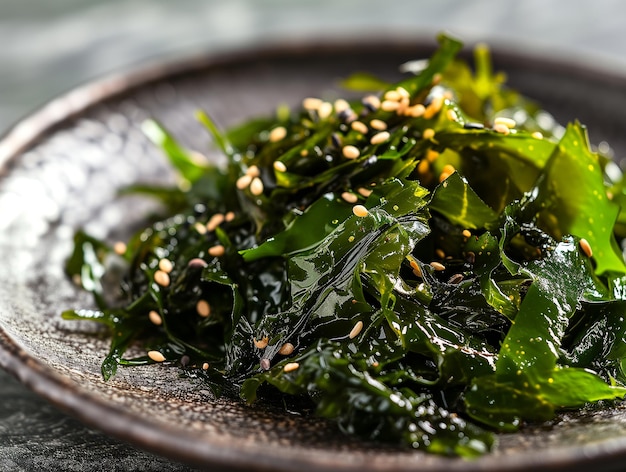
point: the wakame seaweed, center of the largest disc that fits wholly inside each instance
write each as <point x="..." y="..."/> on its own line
<point x="427" y="265"/>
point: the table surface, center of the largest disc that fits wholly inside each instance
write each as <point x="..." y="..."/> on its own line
<point x="47" y="48"/>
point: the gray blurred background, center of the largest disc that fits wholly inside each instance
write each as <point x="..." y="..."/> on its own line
<point x="47" y="47"/>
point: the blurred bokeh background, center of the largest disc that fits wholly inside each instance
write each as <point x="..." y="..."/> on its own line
<point x="47" y="47"/>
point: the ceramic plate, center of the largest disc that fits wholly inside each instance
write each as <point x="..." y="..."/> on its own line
<point x="61" y="169"/>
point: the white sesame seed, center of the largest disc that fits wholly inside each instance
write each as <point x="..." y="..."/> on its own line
<point x="291" y="367"/>
<point x="253" y="171"/>
<point x="356" y="329"/>
<point x="379" y="138"/>
<point x="156" y="356"/>
<point x="350" y="152"/>
<point x="392" y="95"/>
<point x="243" y="181"/>
<point x="365" y="192"/>
<point x="325" y="110"/>
<point x="437" y="265"/>
<point x="155" y="318"/>
<point x="585" y="247"/>
<point x="205" y="366"/>
<point x="166" y="265"/>
<point x="217" y="250"/>
<point x="119" y="248"/>
<point x="349" y="197"/>
<point x="200" y="228"/>
<point x="277" y="134"/>
<point x="508" y="122"/>
<point x="380" y="125"/>
<point x="215" y="220"/>
<point x="286" y="349"/>
<point x="341" y="105"/>
<point x="501" y="128"/>
<point x="537" y="135"/>
<point x="389" y="105"/>
<point x="359" y="126"/>
<point x="311" y="103"/>
<point x="203" y="308"/>
<point x="404" y="93"/>
<point x="280" y="166"/>
<point x="416" y="110"/>
<point x="230" y="216"/>
<point x="256" y="186"/>
<point x="162" y="278"/>
<point x="261" y="343"/>
<point x="360" y="211"/>
<point x="373" y="101"/>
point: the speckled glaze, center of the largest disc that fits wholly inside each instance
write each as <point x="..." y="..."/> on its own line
<point x="61" y="168"/>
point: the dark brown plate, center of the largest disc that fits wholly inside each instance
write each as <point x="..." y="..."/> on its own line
<point x="60" y="170"/>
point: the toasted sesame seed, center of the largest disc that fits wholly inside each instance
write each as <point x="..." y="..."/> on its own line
<point x="205" y="366"/>
<point x="286" y="349"/>
<point x="455" y="279"/>
<point x="215" y="220"/>
<point x="217" y="250"/>
<point x="311" y="103"/>
<point x="280" y="166"/>
<point x="364" y="192"/>
<point x="390" y="105"/>
<point x="203" y="308"/>
<point x="243" y="181"/>
<point x="356" y="329"/>
<point x="537" y="135"/>
<point x="437" y="265"/>
<point x="508" y="122"/>
<point x="166" y="265"/>
<point x="119" y="248"/>
<point x="253" y="171"/>
<point x="380" y="125"/>
<point x="585" y="247"/>
<point x="277" y="134"/>
<point x="359" y="126"/>
<point x="379" y="138"/>
<point x="404" y="93"/>
<point x="261" y="343"/>
<point x="155" y="318"/>
<point x="428" y="133"/>
<point x="156" y="356"/>
<point x="440" y="253"/>
<point x="349" y="197"/>
<point x="198" y="263"/>
<point x="392" y="95"/>
<point x="467" y="233"/>
<point x="446" y="172"/>
<point x="162" y="278"/>
<point x="431" y="155"/>
<point x="291" y="367"/>
<point x="325" y="110"/>
<point x="372" y="102"/>
<point x="360" y="211"/>
<point x="416" y="110"/>
<point x="433" y="107"/>
<point x="423" y="167"/>
<point x="350" y="152"/>
<point x="229" y="216"/>
<point x="501" y="128"/>
<point x="256" y="186"/>
<point x="341" y="105"/>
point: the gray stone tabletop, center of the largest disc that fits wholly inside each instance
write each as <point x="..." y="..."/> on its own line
<point x="49" y="47"/>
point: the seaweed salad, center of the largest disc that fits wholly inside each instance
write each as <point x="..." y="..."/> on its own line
<point x="427" y="264"/>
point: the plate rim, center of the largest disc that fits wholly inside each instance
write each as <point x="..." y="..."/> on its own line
<point x="169" y="442"/>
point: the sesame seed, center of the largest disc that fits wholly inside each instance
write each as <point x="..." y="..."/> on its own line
<point x="253" y="171"/>
<point x="585" y="247"/>
<point x="119" y="248"/>
<point x="360" y="211"/>
<point x="416" y="110"/>
<point x="437" y="265"/>
<point x="428" y="133"/>
<point x="470" y="257"/>
<point x="389" y="105"/>
<point x="452" y="116"/>
<point x="467" y="233"/>
<point x="265" y="364"/>
<point x="380" y="125"/>
<point x="198" y="263"/>
<point x="261" y="343"/>
<point x="311" y="103"/>
<point x="215" y="220"/>
<point x="393" y="95"/>
<point x="455" y="279"/>
<point x="440" y="253"/>
<point x="325" y="110"/>
<point x="431" y="155"/>
<point x="434" y="107"/>
<point x="356" y="329"/>
<point x="359" y="126"/>
<point x="364" y="192"/>
<point x="291" y="367"/>
<point x="230" y="216"/>
<point x="537" y="135"/>
<point x="286" y="349"/>
<point x="203" y="308"/>
<point x="508" y="122"/>
<point x="217" y="250"/>
<point x="423" y="167"/>
<point x="379" y="138"/>
<point x="166" y="265"/>
<point x="446" y="172"/>
<point x="256" y="186"/>
<point x="349" y="197"/>
<point x="350" y="152"/>
<point x="156" y="356"/>
<point x="280" y="166"/>
<point x="205" y="366"/>
<point x="155" y="318"/>
<point x="243" y="181"/>
<point x="277" y="134"/>
<point x="341" y="105"/>
<point x="162" y="278"/>
<point x="200" y="228"/>
<point x="403" y="92"/>
<point x="501" y="128"/>
<point x="372" y="102"/>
